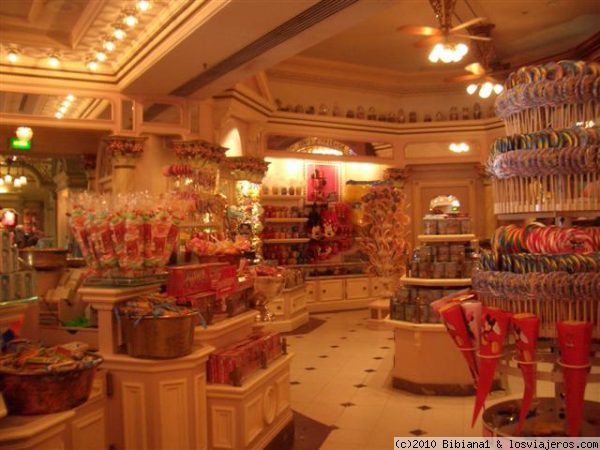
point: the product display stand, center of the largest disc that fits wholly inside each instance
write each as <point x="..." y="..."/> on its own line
<point x="422" y="348"/>
<point x="153" y="404"/>
<point x="289" y="310"/>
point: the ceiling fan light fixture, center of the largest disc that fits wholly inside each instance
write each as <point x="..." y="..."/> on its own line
<point x="436" y="53"/>
<point x="471" y="89"/>
<point x="498" y="88"/>
<point x="461" y="49"/>
<point x="486" y="89"/>
<point x="143" y="5"/>
<point x="12" y="56"/>
<point x="447" y="55"/>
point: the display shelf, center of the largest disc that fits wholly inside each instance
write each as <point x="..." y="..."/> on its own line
<point x="336" y="277"/>
<point x="412" y="326"/>
<point x="226" y="332"/>
<point x="547" y="215"/>
<point x="443" y="238"/>
<point x="289" y="310"/>
<point x="252" y="415"/>
<point x="286" y="219"/>
<point x="436" y="281"/>
<point x="286" y="241"/>
<point x="281" y="197"/>
<point x="21" y="301"/>
<point x="338" y="305"/>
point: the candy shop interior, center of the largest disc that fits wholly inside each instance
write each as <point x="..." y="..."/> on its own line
<point x="298" y="225"/>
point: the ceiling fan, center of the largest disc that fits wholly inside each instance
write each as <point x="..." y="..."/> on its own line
<point x="447" y="40"/>
<point x="483" y="80"/>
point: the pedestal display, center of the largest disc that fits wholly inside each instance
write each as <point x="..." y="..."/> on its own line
<point x="544" y="278"/>
<point x="155" y="403"/>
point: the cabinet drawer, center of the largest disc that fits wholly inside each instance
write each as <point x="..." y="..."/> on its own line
<point x="331" y="290"/>
<point x="312" y="294"/>
<point x="298" y="302"/>
<point x="377" y="287"/>
<point x="277" y="307"/>
<point x="357" y="288"/>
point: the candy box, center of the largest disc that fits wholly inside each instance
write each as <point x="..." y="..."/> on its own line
<point x="202" y="302"/>
<point x="191" y="279"/>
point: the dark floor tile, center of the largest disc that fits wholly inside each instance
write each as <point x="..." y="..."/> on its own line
<point x="384" y="348"/>
<point x="343" y="337"/>
<point x="378" y="357"/>
<point x="309" y="435"/>
<point x="310" y="368"/>
<point x="294" y="382"/>
<point x="358" y="386"/>
<point x="323" y="356"/>
<point x="424" y="407"/>
<point x="334" y="346"/>
<point x="347" y="404"/>
<point x="418" y="432"/>
<point x="370" y="370"/>
<point x="390" y="339"/>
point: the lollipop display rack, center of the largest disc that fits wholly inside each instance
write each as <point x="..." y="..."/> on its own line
<point x="544" y="279"/>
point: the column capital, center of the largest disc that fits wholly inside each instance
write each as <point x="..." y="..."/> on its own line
<point x="119" y="145"/>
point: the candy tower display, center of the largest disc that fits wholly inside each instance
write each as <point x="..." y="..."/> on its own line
<point x="547" y="276"/>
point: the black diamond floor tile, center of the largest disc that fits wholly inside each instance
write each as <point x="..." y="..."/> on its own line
<point x="370" y="370"/>
<point x="347" y="404"/>
<point x="424" y="407"/>
<point x="378" y="357"/>
<point x="358" y="386"/>
<point x="384" y="348"/>
<point x="310" y="368"/>
<point x="294" y="382"/>
<point x="323" y="356"/>
<point x="343" y="337"/>
<point x="334" y="346"/>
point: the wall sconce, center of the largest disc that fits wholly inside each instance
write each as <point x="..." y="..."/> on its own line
<point x="461" y="147"/>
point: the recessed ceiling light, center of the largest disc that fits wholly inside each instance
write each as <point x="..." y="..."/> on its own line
<point x="143" y="5"/>
<point x="92" y="65"/>
<point x="119" y="33"/>
<point x="461" y="147"/>
<point x="101" y="56"/>
<point x="62" y="109"/>
<point x="58" y="115"/>
<point x="71" y="97"/>
<point x="53" y="61"/>
<point x="108" y="44"/>
<point x="130" y="20"/>
<point x="12" y="56"/>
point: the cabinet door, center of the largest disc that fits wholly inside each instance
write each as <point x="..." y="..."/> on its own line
<point x="299" y="301"/>
<point x="357" y="288"/>
<point x="331" y="290"/>
<point x="312" y="292"/>
<point x="276" y="307"/>
<point x="376" y="287"/>
<point x="88" y="431"/>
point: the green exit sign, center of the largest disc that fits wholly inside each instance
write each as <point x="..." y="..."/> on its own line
<point x="18" y="144"/>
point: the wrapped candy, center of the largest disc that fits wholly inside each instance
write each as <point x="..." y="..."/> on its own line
<point x="574" y="340"/>
<point x="526" y="329"/>
<point x="494" y="328"/>
<point x="454" y="319"/>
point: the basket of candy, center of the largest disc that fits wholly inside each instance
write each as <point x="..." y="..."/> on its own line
<point x="154" y="327"/>
<point x="40" y="380"/>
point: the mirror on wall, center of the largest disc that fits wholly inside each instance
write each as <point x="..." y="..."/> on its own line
<point x="66" y="106"/>
<point x="327" y="146"/>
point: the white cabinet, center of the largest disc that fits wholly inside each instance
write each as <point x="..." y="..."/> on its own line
<point x="330" y="290"/>
<point x="340" y="293"/>
<point x="357" y="288"/>
<point x="312" y="293"/>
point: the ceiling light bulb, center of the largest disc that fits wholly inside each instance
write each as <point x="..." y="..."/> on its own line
<point x="462" y="49"/>
<point x="130" y="20"/>
<point x="471" y="89"/>
<point x="143" y="5"/>
<point x="461" y="147"/>
<point x="23" y="180"/>
<point x="62" y="109"/>
<point x="109" y="45"/>
<point x="58" y="115"/>
<point x="119" y="33"/>
<point x="447" y="55"/>
<point x="17" y="182"/>
<point x="498" y="88"/>
<point x="65" y="104"/>
<point x="434" y="56"/>
<point x="456" y="56"/>
<point x="12" y="56"/>
<point x="53" y="61"/>
<point x="70" y="98"/>
<point x="486" y="90"/>
<point x="92" y="65"/>
<point x="101" y="56"/>
<point x="1" y="181"/>
<point x="24" y="133"/>
<point x="8" y="178"/>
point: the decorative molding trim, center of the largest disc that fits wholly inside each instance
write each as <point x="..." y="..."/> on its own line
<point x="133" y="405"/>
<point x="174" y="417"/>
<point x="223" y="427"/>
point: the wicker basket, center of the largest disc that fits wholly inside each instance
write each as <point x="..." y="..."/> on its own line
<point x="159" y="338"/>
<point x="47" y="393"/>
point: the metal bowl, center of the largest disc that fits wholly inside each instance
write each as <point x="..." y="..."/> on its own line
<point x="44" y="258"/>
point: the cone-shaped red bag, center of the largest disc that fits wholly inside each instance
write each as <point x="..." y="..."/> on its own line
<point x="454" y="319"/>
<point x="574" y="340"/>
<point x="526" y="327"/>
<point x="494" y="328"/>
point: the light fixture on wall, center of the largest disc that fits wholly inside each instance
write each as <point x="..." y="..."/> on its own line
<point x="12" y="56"/>
<point x="460" y="147"/>
<point x="53" y="61"/>
<point x="24" y="134"/>
<point x="143" y="5"/>
<point x="448" y="52"/>
<point x="12" y="174"/>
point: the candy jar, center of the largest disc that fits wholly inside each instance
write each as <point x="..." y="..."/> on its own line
<point x="350" y="114"/>
<point x="453" y="113"/>
<point x="439" y="117"/>
<point x="476" y="111"/>
<point x="360" y="112"/>
<point x="279" y="104"/>
<point x="401" y="116"/>
<point x="310" y="110"/>
<point x="337" y="112"/>
<point x="466" y="115"/>
<point x="299" y="109"/>
<point x="323" y="110"/>
<point x="275" y="188"/>
<point x="427" y="118"/>
<point x="412" y="117"/>
<point x="392" y="117"/>
<point x="382" y="118"/>
<point x="372" y="115"/>
<point x="491" y="111"/>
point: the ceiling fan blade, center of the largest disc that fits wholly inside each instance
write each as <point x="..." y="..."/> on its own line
<point x="471" y="36"/>
<point x="428" y="41"/>
<point x="419" y="31"/>
<point x="467" y="24"/>
<point x="461" y="78"/>
<point x="476" y="69"/>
